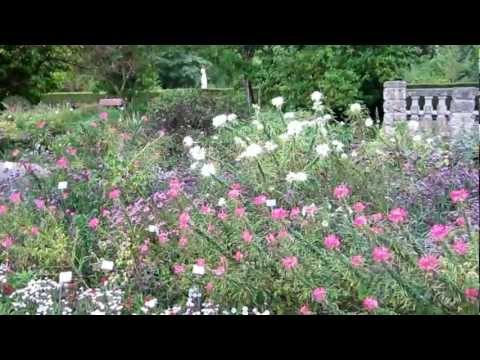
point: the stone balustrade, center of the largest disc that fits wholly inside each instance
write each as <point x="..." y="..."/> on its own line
<point x="445" y="110"/>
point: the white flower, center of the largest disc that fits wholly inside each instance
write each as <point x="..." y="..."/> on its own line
<point x="317" y="106"/>
<point x="107" y="265"/>
<point x="289" y="116"/>
<point x="271" y="202"/>
<point x="151" y="303"/>
<point x="251" y="151"/>
<point x="322" y="150"/>
<point x="295" y="127"/>
<point x="222" y="202"/>
<point x="231" y="117"/>
<point x="297" y="177"/>
<point x="344" y="156"/>
<point x="323" y="131"/>
<point x="197" y="153"/>
<point x="325" y="223"/>
<point x="278" y="102"/>
<point x="354" y="154"/>
<point x="65" y="277"/>
<point x="62" y="185"/>
<point x="97" y="312"/>
<point x="355" y="108"/>
<point x="198" y="270"/>
<point x="327" y="117"/>
<point x="316" y="96"/>
<point x="258" y="125"/>
<point x="338" y="145"/>
<point x="194" y="165"/>
<point x="270" y="146"/>
<point x="238" y="141"/>
<point x="284" y="137"/>
<point x="413" y="125"/>
<point x="219" y="121"/>
<point x="369" y="122"/>
<point x="244" y="310"/>
<point x="207" y="170"/>
<point x="188" y="141"/>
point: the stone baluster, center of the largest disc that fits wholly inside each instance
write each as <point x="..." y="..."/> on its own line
<point x="442" y="112"/>
<point x="395" y="103"/>
<point x="415" y="108"/>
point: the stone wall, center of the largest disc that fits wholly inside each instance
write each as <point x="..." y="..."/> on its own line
<point x="445" y="110"/>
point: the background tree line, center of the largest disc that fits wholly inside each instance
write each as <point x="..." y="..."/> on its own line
<point x="345" y="73"/>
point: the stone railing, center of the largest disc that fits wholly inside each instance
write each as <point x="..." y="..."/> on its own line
<point x="448" y="110"/>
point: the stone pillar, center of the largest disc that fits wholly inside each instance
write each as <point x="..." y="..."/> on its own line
<point x="463" y="105"/>
<point x="442" y="112"/>
<point x="415" y="108"/>
<point x="395" y="103"/>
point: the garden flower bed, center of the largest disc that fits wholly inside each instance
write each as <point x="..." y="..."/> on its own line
<point x="280" y="213"/>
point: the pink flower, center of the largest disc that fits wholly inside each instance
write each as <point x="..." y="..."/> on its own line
<point x="370" y="304"/>
<point x="34" y="231"/>
<point x="144" y="248"/>
<point x="41" y="124"/>
<point x="289" y="262"/>
<point x="279" y="214"/>
<point x="238" y="256"/>
<point x="39" y="203"/>
<point x="429" y="263"/>
<point x="309" y="211"/>
<point x="319" y="294"/>
<point x="114" y="194"/>
<point x="105" y="212"/>
<point x="471" y="294"/>
<point x="63" y="162"/>
<point x="271" y="240"/>
<point x="332" y="242"/>
<point x="398" y="215"/>
<point x="163" y="238"/>
<point x="16" y="198"/>
<point x="183" y="242"/>
<point x="175" y="187"/>
<point x="460" y="247"/>
<point x="3" y="209"/>
<point x="178" y="269"/>
<point x="219" y="271"/>
<point x="357" y="261"/>
<point x="247" y="236"/>
<point x="222" y="215"/>
<point x="341" y="192"/>
<point x="184" y="220"/>
<point x="235" y="191"/>
<point x="240" y="212"/>
<point x="93" y="223"/>
<point x="282" y="234"/>
<point x="200" y="262"/>
<point x="206" y="210"/>
<point x="209" y="287"/>
<point x="377" y="217"/>
<point x="358" y="207"/>
<point x="294" y="213"/>
<point x="459" y="195"/>
<point x="460" y="221"/>
<point x="71" y="151"/>
<point x="260" y="200"/>
<point x="15" y="153"/>
<point x="438" y="232"/>
<point x="360" y="221"/>
<point x="381" y="254"/>
<point x="377" y="230"/>
<point x="104" y="115"/>
<point x="305" y="310"/>
<point x="7" y="242"/>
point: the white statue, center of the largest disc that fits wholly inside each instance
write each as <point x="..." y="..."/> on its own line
<point x="204" y="80"/>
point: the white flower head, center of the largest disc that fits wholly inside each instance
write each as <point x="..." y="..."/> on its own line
<point x="194" y="165"/>
<point x="337" y="145"/>
<point x="289" y="116"/>
<point x="252" y="151"/>
<point x="296" y="177"/>
<point x="65" y="277"/>
<point x="151" y="303"/>
<point x="208" y="170"/>
<point x="219" y="121"/>
<point x="344" y="156"/>
<point x="188" y="141"/>
<point x="231" y="117"/>
<point x="198" y="270"/>
<point x="197" y="153"/>
<point x="238" y="141"/>
<point x="270" y="146"/>
<point x="284" y="137"/>
<point x="222" y="202"/>
<point x="318" y="106"/>
<point x="355" y="108"/>
<point x="107" y="265"/>
<point x="258" y="125"/>
<point x="62" y="185"/>
<point x="278" y="102"/>
<point x="271" y="203"/>
<point x="295" y="127"/>
<point x="413" y="125"/>
<point x="316" y="96"/>
<point x="152" y="228"/>
<point x="322" y="150"/>
<point x="369" y="122"/>
<point x="325" y="223"/>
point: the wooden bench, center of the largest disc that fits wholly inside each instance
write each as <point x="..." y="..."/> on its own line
<point x="111" y="102"/>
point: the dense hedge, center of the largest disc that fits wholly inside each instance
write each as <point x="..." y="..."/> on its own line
<point x="184" y="109"/>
